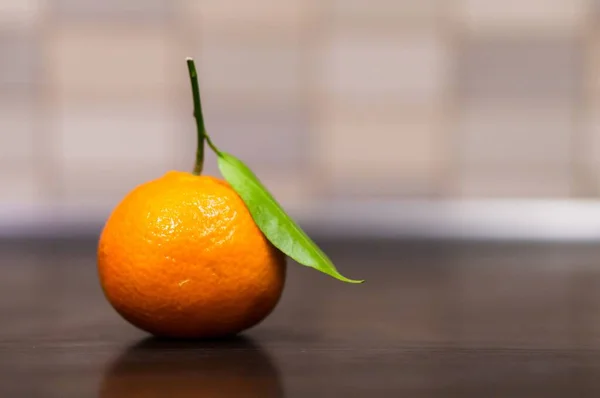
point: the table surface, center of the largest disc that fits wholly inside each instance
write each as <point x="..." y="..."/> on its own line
<point x="432" y="320"/>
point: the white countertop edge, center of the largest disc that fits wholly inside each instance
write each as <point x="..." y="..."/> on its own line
<point x="542" y="220"/>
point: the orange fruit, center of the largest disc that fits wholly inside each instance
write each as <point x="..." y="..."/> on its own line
<point x="181" y="256"/>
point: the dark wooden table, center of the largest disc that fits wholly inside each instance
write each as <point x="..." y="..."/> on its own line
<point x="432" y="320"/>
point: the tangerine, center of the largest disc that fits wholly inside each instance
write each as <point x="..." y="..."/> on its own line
<point x="181" y="256"/>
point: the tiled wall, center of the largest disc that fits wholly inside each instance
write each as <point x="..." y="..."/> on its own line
<point x="325" y="99"/>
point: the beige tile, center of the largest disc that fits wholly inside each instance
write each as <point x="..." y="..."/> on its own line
<point x="394" y="151"/>
<point x="273" y="138"/>
<point x="17" y="124"/>
<point x="293" y="191"/>
<point x="592" y="128"/>
<point x="252" y="69"/>
<point x="515" y="182"/>
<point x="592" y="78"/>
<point x="19" y="185"/>
<point x="184" y="141"/>
<point x="388" y="11"/>
<point x="105" y="133"/>
<point x="525" y="135"/>
<point x="114" y="10"/>
<point x="512" y="17"/>
<point x="268" y="136"/>
<point x="411" y="68"/>
<point x="103" y="185"/>
<point x="588" y="161"/>
<point x="20" y="13"/>
<point x="230" y="16"/>
<point x="20" y="64"/>
<point x="117" y="63"/>
<point x="532" y="68"/>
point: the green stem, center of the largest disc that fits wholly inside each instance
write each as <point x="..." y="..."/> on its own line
<point x="201" y="130"/>
<point x="211" y="145"/>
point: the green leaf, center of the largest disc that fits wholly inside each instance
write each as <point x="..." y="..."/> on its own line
<point x="270" y="217"/>
<point x="272" y="220"/>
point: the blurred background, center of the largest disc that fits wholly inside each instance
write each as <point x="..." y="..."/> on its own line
<point x="431" y="117"/>
<point x="371" y="121"/>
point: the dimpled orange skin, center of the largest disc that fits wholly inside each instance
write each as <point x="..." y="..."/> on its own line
<point x="181" y="256"/>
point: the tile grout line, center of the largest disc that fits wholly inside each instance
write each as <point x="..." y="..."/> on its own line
<point x="46" y="144"/>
